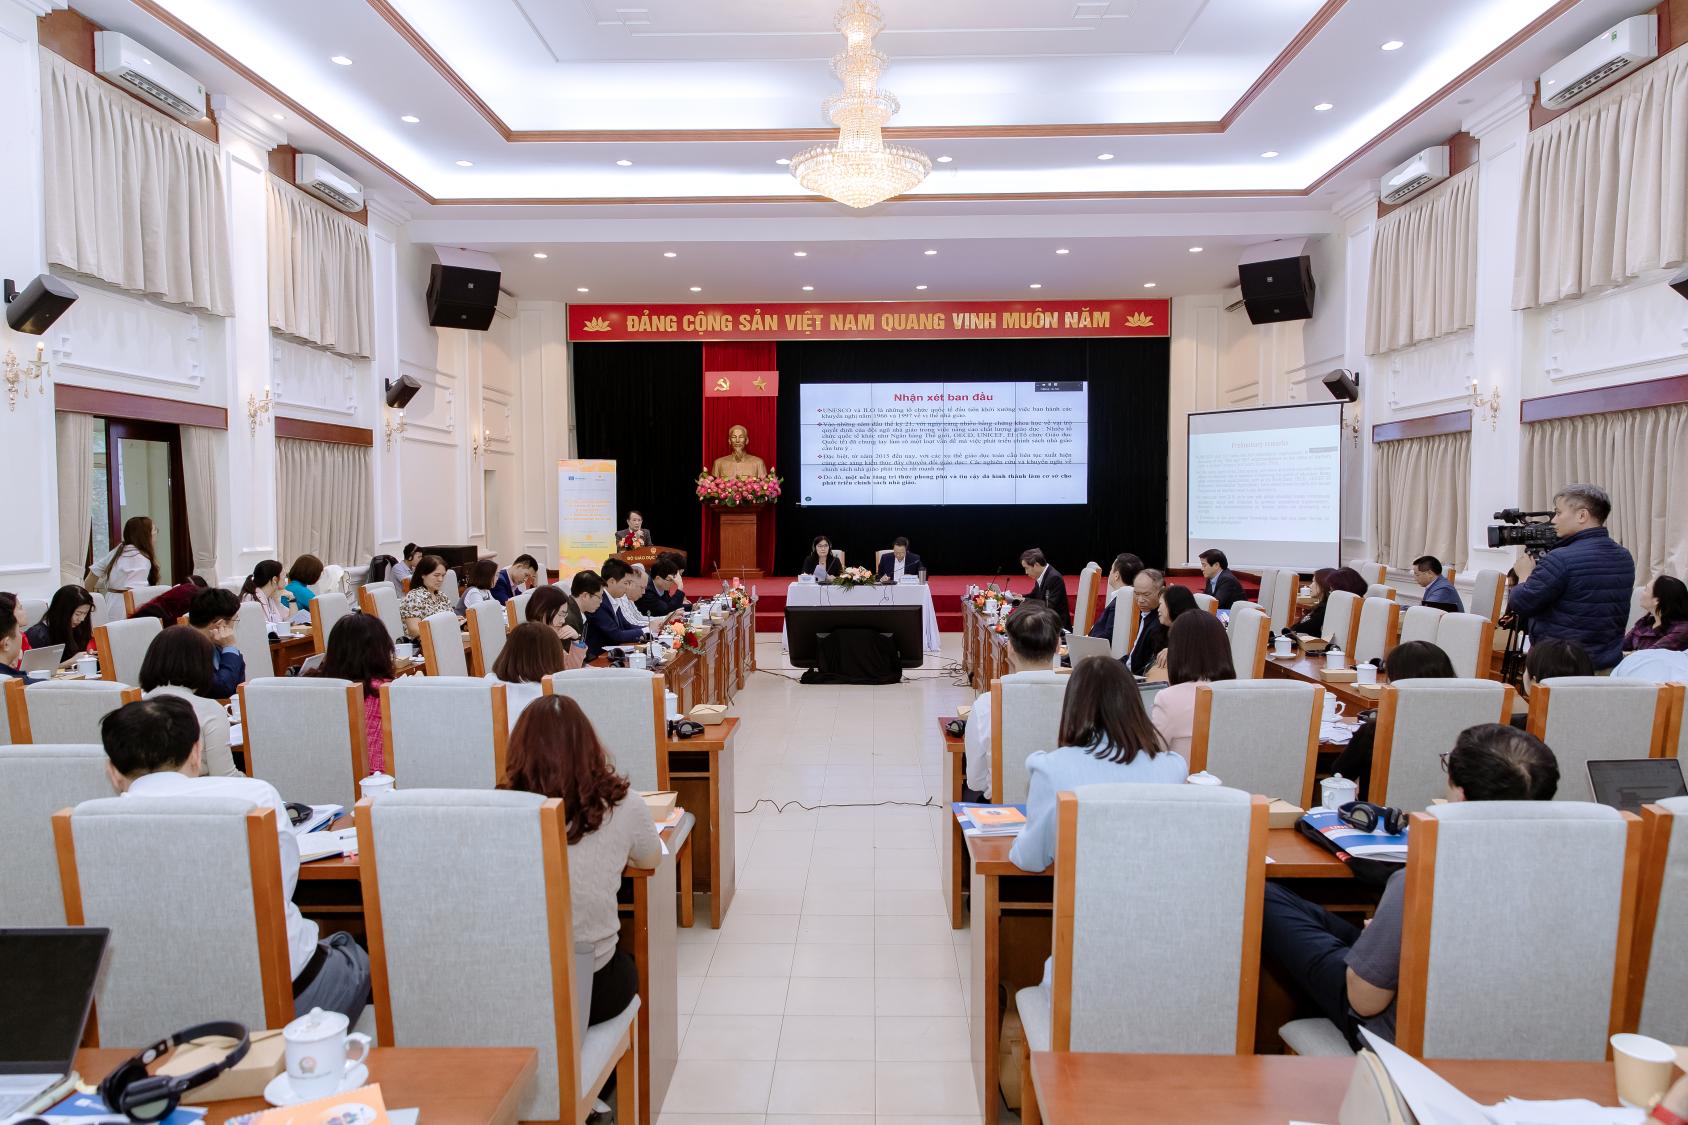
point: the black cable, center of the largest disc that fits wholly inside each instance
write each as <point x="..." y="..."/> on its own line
<point x="781" y="806"/>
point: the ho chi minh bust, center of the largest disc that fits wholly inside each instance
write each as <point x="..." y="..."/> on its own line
<point x="738" y="463"/>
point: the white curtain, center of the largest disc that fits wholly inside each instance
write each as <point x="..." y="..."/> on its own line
<point x="1420" y="499"/>
<point x="1424" y="268"/>
<point x="1640" y="457"/>
<point x="199" y="467"/>
<point x="1606" y="189"/>
<point x="75" y="444"/>
<point x="321" y="289"/>
<point x="132" y="197"/>
<point x="324" y="501"/>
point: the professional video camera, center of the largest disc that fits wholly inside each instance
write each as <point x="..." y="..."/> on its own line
<point x="1532" y="531"/>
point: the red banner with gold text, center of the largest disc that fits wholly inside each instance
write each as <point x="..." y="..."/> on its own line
<point x="872" y="320"/>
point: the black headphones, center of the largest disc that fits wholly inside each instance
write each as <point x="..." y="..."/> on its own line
<point x="956" y="728"/>
<point x="140" y="1096"/>
<point x="1368" y="817"/>
<point x="684" y="728"/>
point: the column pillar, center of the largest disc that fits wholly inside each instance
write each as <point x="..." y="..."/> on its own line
<point x="1357" y="213"/>
<point x="386" y="220"/>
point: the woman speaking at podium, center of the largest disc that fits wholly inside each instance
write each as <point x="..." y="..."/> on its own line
<point x="822" y="563"/>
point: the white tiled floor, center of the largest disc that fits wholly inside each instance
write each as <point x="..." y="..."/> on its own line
<point x="832" y="994"/>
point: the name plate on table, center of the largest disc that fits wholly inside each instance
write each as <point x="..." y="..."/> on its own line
<point x="805" y="579"/>
<point x="909" y="580"/>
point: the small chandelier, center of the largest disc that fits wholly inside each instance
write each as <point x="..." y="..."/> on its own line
<point x="860" y="169"/>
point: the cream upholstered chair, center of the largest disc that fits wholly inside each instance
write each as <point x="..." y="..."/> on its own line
<point x="1417" y="722"/>
<point x="1125" y="621"/>
<point x="1488" y="594"/>
<point x="1378" y="631"/>
<point x="515" y="610"/>
<point x="442" y="645"/>
<point x="1206" y="602"/>
<point x="1084" y="609"/>
<point x="1469" y="641"/>
<point x="1658" y="979"/>
<point x="1248" y="629"/>
<point x="1419" y="623"/>
<point x="1342" y="618"/>
<point x="487" y="629"/>
<point x="122" y="646"/>
<point x="472" y="947"/>
<point x="1370" y="570"/>
<point x="1194" y="926"/>
<point x="444" y="732"/>
<point x="252" y="637"/>
<point x="1025" y="716"/>
<point x="34" y="608"/>
<point x="1381" y="590"/>
<point x="1280" y="606"/>
<point x="1636" y="609"/>
<point x="14" y="712"/>
<point x="35" y="783"/>
<point x="210" y="893"/>
<point x="139" y="596"/>
<point x="107" y="607"/>
<point x="625" y="706"/>
<point x="64" y="712"/>
<point x="450" y="587"/>
<point x="1584" y="717"/>
<point x="305" y="736"/>
<point x="233" y="585"/>
<point x="325" y="611"/>
<point x="1260" y="736"/>
<point x="381" y="599"/>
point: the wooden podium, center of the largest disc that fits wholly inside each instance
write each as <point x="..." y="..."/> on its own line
<point x="645" y="556"/>
<point x="736" y="534"/>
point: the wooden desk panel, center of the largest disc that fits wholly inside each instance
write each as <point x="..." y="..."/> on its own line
<point x="955" y="845"/>
<point x="1306" y="669"/>
<point x="449" y="1085"/>
<point x="1078" y="1089"/>
<point x="290" y="652"/>
<point x="701" y="770"/>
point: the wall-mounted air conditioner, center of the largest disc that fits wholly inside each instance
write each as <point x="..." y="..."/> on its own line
<point x="327" y="183"/>
<point x="1416" y="175"/>
<point x="1600" y="62"/>
<point x="123" y="62"/>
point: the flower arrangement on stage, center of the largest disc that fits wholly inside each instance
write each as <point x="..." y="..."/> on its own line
<point x="627" y="542"/>
<point x="992" y="591"/>
<point x="854" y="576"/>
<point x="735" y="492"/>
<point x="740" y="597"/>
<point x="685" y="636"/>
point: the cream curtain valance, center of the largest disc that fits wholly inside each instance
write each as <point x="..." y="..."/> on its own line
<point x="132" y="197"/>
<point x="325" y="501"/>
<point x="1424" y="268"/>
<point x="1606" y="189"/>
<point x="1420" y="497"/>
<point x="321" y="288"/>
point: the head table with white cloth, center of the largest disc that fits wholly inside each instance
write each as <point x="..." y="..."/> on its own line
<point x="814" y="593"/>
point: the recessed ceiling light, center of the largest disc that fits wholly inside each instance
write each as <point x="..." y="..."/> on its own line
<point x="669" y="254"/>
<point x="799" y="253"/>
<point x="1195" y="249"/>
<point x="808" y="289"/>
<point x="410" y="119"/>
<point x="341" y="59"/>
<point x="277" y="117"/>
<point x="1393" y="45"/>
<point x="945" y="159"/>
<point x="624" y="164"/>
<point x="541" y="255"/>
<point x="697" y="289"/>
<point x="920" y="286"/>
<point x="1148" y="285"/>
<point x="929" y="253"/>
<point x="1037" y="285"/>
<point x="1063" y="250"/>
<point x="1322" y="106"/>
<point x="582" y="289"/>
<point x="782" y="160"/>
<point x="1105" y="156"/>
<point x="465" y="163"/>
<point x="1269" y="154"/>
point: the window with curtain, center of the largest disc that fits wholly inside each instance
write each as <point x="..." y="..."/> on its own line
<point x="1424" y="268"/>
<point x="1605" y="194"/>
<point x="1639" y="457"/>
<point x="1420" y="499"/>
<point x="132" y="197"/>
<point x="321" y="289"/>
<point x="324" y="501"/>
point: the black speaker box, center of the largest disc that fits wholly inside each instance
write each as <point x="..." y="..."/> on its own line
<point x="460" y="297"/>
<point x="1277" y="290"/>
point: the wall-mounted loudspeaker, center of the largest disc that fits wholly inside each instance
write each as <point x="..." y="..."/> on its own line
<point x="401" y="390"/>
<point x="460" y="297"/>
<point x="1680" y="283"/>
<point x="42" y="301"/>
<point x="1281" y="289"/>
<point x="1343" y="386"/>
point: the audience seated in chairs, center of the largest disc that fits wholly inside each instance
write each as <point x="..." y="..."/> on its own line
<point x="1413" y="660"/>
<point x="172" y="604"/>
<point x="1124" y="571"/>
<point x="1439" y="593"/>
<point x="1034" y="637"/>
<point x="424" y="598"/>
<point x="1220" y="583"/>
<point x="1351" y="974"/>
<point x="68" y="623"/>
<point x="1549" y="659"/>
<point x="1106" y="737"/>
<point x="1665" y="624"/>
<point x="552" y="607"/>
<point x="1325" y="582"/>
<point x="305" y="572"/>
<point x="212" y="612"/>
<point x="531" y="652"/>
<point x="361" y="650"/>
<point x="482" y="575"/>
<point x="263" y="586"/>
<point x="180" y="662"/>
<point x="665" y="593"/>
<point x="405" y="568"/>
<point x="555" y="752"/>
<point x="1175" y="602"/>
<point x="154" y="751"/>
<point x="518" y="576"/>
<point x="1147" y="589"/>
<point x="595" y="594"/>
<point x="1198" y="652"/>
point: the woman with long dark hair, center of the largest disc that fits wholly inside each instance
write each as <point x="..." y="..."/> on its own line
<point x="531" y="652"/>
<point x="180" y="661"/>
<point x="1665" y="624"/>
<point x="555" y="752"/>
<point x="1198" y="651"/>
<point x="263" y="586"/>
<point x="132" y="563"/>
<point x="822" y="562"/>
<point x="1325" y="583"/>
<point x="1105" y="736"/>
<point x="361" y="650"/>
<point x="424" y="598"/>
<point x="68" y="622"/>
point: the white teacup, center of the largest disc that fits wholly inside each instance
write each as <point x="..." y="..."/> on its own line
<point x="404" y="650"/>
<point x="318" y="1061"/>
<point x="88" y="664"/>
<point x="1202" y="777"/>
<point x="1283" y="646"/>
<point x="637" y="660"/>
<point x="1365" y="673"/>
<point x="375" y="786"/>
<point x="1333" y="708"/>
<point x="1336" y="660"/>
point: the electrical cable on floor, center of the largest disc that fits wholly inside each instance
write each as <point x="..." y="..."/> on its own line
<point x="781" y="806"/>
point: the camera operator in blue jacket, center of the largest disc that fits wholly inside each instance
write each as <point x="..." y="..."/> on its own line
<point x="1580" y="590"/>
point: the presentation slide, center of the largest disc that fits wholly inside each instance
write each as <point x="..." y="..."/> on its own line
<point x="944" y="443"/>
<point x="1265" y="485"/>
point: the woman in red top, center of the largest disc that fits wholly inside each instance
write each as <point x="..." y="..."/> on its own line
<point x="361" y="650"/>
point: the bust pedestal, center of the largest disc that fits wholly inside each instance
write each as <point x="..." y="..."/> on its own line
<point x="736" y="533"/>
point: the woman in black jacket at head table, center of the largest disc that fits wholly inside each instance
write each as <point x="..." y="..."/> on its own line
<point x="1325" y="583"/>
<point x="820" y="554"/>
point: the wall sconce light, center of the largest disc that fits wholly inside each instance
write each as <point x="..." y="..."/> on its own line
<point x="18" y="374"/>
<point x="394" y="428"/>
<point x="256" y="408"/>
<point x="475" y="443"/>
<point x="1352" y="426"/>
<point x="1485" y="407"/>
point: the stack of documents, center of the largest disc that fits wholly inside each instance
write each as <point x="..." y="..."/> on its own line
<point x="990" y="820"/>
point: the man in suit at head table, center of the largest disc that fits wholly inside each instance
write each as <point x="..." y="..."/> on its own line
<point x="605" y="623"/>
<point x="898" y="561"/>
<point x="1048" y="586"/>
<point x="1221" y="583"/>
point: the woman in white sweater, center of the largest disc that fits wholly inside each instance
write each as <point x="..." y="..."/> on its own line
<point x="555" y="752"/>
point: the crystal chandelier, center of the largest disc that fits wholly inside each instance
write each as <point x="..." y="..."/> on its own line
<point x="860" y="169"/>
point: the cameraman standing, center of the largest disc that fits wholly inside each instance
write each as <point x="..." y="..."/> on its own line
<point x="1580" y="590"/>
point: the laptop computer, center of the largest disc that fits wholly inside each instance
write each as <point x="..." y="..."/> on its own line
<point x="1078" y="648"/>
<point x="41" y="659"/>
<point x="1629" y="783"/>
<point x="46" y="988"/>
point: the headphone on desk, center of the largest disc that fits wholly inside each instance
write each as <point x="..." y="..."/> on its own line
<point x="1368" y="817"/>
<point x="140" y="1096"/>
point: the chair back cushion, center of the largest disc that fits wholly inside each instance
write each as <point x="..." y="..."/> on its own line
<point x="1206" y="602"/>
<point x="516" y="608"/>
<point x="141" y="595"/>
<point x="1178" y="990"/>
<point x="1371" y="570"/>
<point x="384" y="599"/>
<point x="1419" y="623"/>
<point x="1342" y="618"/>
<point x="1379" y="621"/>
<point x="450" y="588"/>
<point x="1596" y="717"/>
<point x="129" y="641"/>
<point x="1636" y="609"/>
<point x="1030" y="720"/>
<point x="1518" y="967"/>
<point x="325" y="611"/>
<point x="35" y="783"/>
<point x="487" y="630"/>
<point x="1084" y="610"/>
<point x="1488" y="594"/>
<point x="1419" y="726"/>
<point x="69" y="711"/>
<point x="442" y="645"/>
<point x="1261" y="736"/>
<point x="1281" y="605"/>
<point x="184" y="939"/>
<point x="252" y="638"/>
<point x="1381" y="590"/>
<point x="1465" y="637"/>
<point x="619" y="702"/>
<point x="1664" y="1002"/>
<point x="1248" y="640"/>
<point x="1125" y="618"/>
<point x="443" y="732"/>
<point x="300" y="732"/>
<point x="466" y="929"/>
